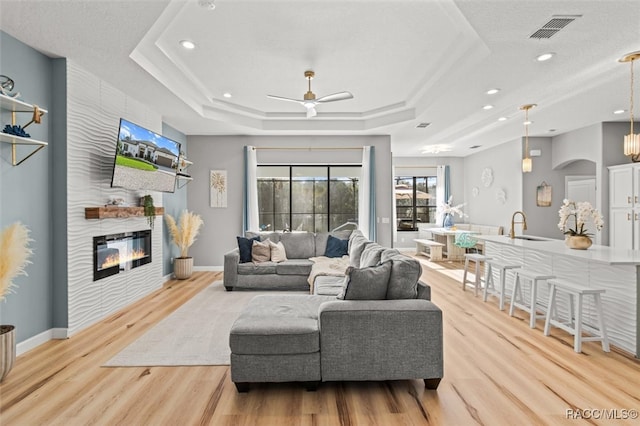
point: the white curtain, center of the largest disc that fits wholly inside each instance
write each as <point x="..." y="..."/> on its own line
<point x="394" y="213"/>
<point x="366" y="194"/>
<point x="440" y="193"/>
<point x="251" y="217"/>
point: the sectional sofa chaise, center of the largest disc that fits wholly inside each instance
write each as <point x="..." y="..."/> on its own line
<point x="381" y="326"/>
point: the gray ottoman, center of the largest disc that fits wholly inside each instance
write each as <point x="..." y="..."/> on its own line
<point x="277" y="339"/>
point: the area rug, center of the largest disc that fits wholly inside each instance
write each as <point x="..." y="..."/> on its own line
<point x="197" y="333"/>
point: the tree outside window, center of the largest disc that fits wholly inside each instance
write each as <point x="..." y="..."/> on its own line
<point x="307" y="198"/>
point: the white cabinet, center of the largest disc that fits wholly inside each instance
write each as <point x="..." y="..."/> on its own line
<point x="624" y="206"/>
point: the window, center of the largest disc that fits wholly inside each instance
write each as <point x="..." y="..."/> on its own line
<point x="415" y="201"/>
<point x="307" y="198"/>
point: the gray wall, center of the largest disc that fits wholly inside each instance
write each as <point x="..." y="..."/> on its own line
<point x="222" y="225"/>
<point x="173" y="204"/>
<point x="25" y="191"/>
<point x="505" y="162"/>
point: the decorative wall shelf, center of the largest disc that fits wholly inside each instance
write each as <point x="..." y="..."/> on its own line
<point x="116" y="212"/>
<point x="15" y="105"/>
<point x="182" y="175"/>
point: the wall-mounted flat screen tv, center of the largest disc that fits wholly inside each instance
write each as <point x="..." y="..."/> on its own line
<point x="144" y="159"/>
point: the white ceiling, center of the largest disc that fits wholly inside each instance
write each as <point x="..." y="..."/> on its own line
<point x="405" y="61"/>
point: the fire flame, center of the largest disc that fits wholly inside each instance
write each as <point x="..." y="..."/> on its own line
<point x="115" y="260"/>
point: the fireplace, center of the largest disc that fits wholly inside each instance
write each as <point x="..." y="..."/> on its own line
<point x="115" y="253"/>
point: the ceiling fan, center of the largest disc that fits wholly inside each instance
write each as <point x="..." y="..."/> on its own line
<point x="310" y="101"/>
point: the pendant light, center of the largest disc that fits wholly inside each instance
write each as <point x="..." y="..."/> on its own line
<point x="527" y="164"/>
<point x="632" y="140"/>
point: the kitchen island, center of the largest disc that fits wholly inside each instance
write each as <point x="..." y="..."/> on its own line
<point x="615" y="270"/>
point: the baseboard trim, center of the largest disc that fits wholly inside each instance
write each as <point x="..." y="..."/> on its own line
<point x="39" y="339"/>
<point x="167" y="277"/>
<point x="209" y="268"/>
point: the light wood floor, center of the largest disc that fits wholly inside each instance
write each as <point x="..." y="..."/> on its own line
<point x="497" y="372"/>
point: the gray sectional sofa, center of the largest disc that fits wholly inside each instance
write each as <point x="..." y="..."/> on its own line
<point x="320" y="337"/>
<point x="291" y="274"/>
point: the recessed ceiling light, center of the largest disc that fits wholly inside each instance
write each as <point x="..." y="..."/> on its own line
<point x="475" y="146"/>
<point x="487" y="107"/>
<point x="492" y="91"/>
<point x="502" y="119"/>
<point x="552" y="130"/>
<point x="619" y="111"/>
<point x="545" y="57"/>
<point x="226" y="94"/>
<point x="422" y="125"/>
<point x="526" y="123"/>
<point x="207" y="4"/>
<point x="187" y="44"/>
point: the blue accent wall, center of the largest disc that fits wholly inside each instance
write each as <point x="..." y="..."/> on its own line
<point x="173" y="204"/>
<point x="26" y="192"/>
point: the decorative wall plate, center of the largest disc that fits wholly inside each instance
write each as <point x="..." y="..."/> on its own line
<point x="487" y="177"/>
<point x="475" y="191"/>
<point x="501" y="197"/>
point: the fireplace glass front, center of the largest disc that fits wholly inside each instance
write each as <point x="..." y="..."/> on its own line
<point x="116" y="253"/>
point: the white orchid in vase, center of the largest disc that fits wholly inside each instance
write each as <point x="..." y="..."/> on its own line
<point x="449" y="210"/>
<point x="581" y="212"/>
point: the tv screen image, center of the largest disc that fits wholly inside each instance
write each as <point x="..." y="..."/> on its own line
<point x="144" y="159"/>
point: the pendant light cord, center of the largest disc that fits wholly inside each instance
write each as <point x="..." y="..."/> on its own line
<point x="631" y="98"/>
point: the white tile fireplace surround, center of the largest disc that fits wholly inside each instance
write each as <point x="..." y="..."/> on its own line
<point x="91" y="139"/>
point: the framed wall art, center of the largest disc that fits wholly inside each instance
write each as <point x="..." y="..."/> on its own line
<point x="218" y="188"/>
<point x="543" y="195"/>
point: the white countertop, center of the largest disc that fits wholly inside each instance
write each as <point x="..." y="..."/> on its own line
<point x="595" y="253"/>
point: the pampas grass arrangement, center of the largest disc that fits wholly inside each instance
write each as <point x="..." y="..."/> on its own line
<point x="14" y="246"/>
<point x="185" y="232"/>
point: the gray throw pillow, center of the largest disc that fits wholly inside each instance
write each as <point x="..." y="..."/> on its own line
<point x="366" y="283"/>
<point x="371" y="255"/>
<point x="355" y="251"/>
<point x="403" y="280"/>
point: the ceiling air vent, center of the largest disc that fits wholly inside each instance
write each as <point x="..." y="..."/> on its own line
<point x="422" y="125"/>
<point x="555" y="24"/>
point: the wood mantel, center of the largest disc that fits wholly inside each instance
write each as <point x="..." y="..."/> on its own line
<point x="110" y="212"/>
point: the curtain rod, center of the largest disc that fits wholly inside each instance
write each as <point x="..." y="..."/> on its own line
<point x="283" y="148"/>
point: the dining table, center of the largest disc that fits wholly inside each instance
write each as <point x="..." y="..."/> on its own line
<point x="447" y="236"/>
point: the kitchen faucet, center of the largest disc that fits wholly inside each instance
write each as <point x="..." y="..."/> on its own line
<point x="512" y="233"/>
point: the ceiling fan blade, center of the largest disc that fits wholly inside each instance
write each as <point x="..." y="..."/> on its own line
<point x="340" y="96"/>
<point x="280" y="98"/>
<point x="311" y="112"/>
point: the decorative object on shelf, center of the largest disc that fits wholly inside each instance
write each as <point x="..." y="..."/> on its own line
<point x="149" y="209"/>
<point x="487" y="177"/>
<point x="218" y="188"/>
<point x="183" y="235"/>
<point x="14" y="246"/>
<point x="117" y="202"/>
<point x="449" y="211"/>
<point x="527" y="163"/>
<point x="6" y="86"/>
<point x="581" y="212"/>
<point x="632" y="140"/>
<point x="475" y="191"/>
<point x="15" y="130"/>
<point x="501" y="196"/>
<point x="543" y="195"/>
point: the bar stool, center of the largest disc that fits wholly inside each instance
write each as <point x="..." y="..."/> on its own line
<point x="489" y="286"/>
<point x="533" y="277"/>
<point x="477" y="283"/>
<point x="574" y="326"/>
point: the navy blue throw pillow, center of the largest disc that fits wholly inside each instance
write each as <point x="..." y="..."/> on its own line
<point x="336" y="247"/>
<point x="244" y="246"/>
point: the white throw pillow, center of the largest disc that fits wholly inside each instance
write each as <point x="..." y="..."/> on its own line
<point x="278" y="253"/>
